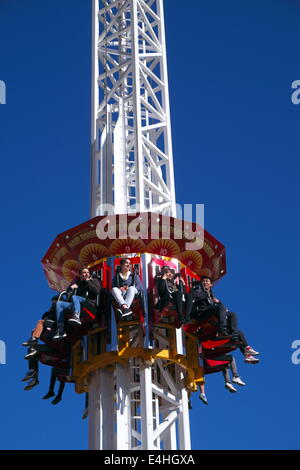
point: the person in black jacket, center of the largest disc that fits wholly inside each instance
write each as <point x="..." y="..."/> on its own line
<point x="169" y="290"/>
<point x="87" y="288"/>
<point x="207" y="305"/>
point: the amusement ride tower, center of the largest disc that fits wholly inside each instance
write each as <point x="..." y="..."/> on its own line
<point x="132" y="171"/>
<point x="138" y="374"/>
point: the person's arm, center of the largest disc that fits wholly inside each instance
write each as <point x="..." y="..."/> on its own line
<point x="161" y="287"/>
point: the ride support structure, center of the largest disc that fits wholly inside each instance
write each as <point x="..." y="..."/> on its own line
<point x="138" y="370"/>
<point x="131" y="131"/>
<point x="140" y="402"/>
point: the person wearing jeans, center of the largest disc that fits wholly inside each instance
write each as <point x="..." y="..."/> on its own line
<point x="86" y="288"/>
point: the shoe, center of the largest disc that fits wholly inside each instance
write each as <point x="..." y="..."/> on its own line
<point x="49" y="395"/>
<point x="238" y="380"/>
<point x="120" y="312"/>
<point x="31" y="384"/>
<point x="251" y="351"/>
<point x="230" y="387"/>
<point x="29" y="376"/>
<point x="85" y="413"/>
<point x="203" y="398"/>
<point x="126" y="312"/>
<point x="250" y="359"/>
<point x="75" y="320"/>
<point x="30" y="342"/>
<point x="56" y="400"/>
<point x="31" y="353"/>
<point x="59" y="335"/>
<point x="129" y="317"/>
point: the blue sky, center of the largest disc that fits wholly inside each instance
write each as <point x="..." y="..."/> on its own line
<point x="236" y="149"/>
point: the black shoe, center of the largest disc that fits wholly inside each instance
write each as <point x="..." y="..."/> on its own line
<point x="75" y="321"/>
<point x="56" y="400"/>
<point x="126" y="312"/>
<point x="31" y="384"/>
<point x="31" y="353"/>
<point x="49" y="395"/>
<point x="29" y="376"/>
<point x="30" y="342"/>
<point x="180" y="322"/>
<point x="126" y="315"/>
<point x="59" y="335"/>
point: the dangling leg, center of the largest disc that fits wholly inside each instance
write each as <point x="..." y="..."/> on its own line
<point x="235" y="375"/>
<point x="58" y="397"/>
<point x="50" y="392"/>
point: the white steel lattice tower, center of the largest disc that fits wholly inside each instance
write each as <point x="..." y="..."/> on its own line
<point x="141" y="405"/>
<point x="132" y="163"/>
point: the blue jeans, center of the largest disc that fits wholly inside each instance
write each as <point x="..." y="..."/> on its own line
<point x="74" y="306"/>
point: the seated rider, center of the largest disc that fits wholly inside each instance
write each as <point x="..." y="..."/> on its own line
<point x="125" y="286"/>
<point x="206" y="305"/>
<point x="87" y="288"/>
<point x="171" y="287"/>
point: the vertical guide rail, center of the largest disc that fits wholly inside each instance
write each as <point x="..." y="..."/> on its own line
<point x="140" y="405"/>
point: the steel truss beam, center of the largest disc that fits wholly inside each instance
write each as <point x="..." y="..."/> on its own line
<point x="132" y="161"/>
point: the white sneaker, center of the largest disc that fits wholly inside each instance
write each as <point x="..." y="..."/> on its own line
<point x="230" y="387"/>
<point x="238" y="380"/>
<point x="250" y="359"/>
<point x="203" y="398"/>
<point x="251" y="351"/>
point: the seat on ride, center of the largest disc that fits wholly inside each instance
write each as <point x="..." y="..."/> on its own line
<point x="54" y="359"/>
<point x="189" y="277"/>
<point x="214" y="365"/>
<point x="59" y="357"/>
<point x="212" y="349"/>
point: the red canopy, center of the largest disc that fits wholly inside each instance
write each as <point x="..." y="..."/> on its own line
<point x="147" y="232"/>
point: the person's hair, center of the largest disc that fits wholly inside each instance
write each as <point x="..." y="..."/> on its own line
<point x="206" y="277"/>
<point x="123" y="261"/>
<point x="165" y="268"/>
<point x="84" y="267"/>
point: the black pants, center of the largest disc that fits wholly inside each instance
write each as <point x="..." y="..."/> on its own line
<point x="176" y="297"/>
<point x="33" y="363"/>
<point x="52" y="383"/>
<point x="215" y="309"/>
<point x="233" y="328"/>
